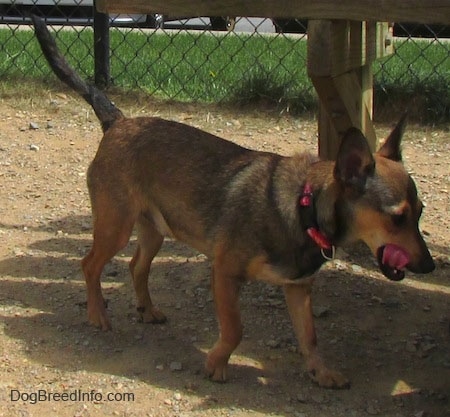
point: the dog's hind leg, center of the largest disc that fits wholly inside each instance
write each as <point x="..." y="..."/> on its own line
<point x="298" y="299"/>
<point x="149" y="243"/>
<point x="112" y="230"/>
<point x="225" y="286"/>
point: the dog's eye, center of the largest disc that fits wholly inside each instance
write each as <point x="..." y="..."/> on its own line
<point x="398" y="219"/>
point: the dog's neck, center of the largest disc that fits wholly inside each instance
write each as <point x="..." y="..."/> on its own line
<point x="327" y="200"/>
<point x="290" y="178"/>
<point x="327" y="217"/>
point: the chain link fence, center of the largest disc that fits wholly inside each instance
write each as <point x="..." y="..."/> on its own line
<point x="223" y="59"/>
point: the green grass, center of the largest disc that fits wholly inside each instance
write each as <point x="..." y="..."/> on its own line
<point x="244" y="69"/>
<point x="191" y="66"/>
<point x="417" y="77"/>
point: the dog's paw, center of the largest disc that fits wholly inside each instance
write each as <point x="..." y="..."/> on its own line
<point x="328" y="378"/>
<point x="216" y="367"/>
<point x="151" y="315"/>
<point x="96" y="312"/>
<point x="217" y="374"/>
<point x="99" y="319"/>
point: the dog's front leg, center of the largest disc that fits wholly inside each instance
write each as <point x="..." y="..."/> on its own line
<point x="298" y="299"/>
<point x="225" y="287"/>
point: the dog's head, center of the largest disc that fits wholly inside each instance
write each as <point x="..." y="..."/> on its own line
<point x="382" y="201"/>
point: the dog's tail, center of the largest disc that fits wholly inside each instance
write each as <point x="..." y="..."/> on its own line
<point x="104" y="109"/>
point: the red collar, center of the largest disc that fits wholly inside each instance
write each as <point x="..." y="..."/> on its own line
<point x="318" y="237"/>
<point x="306" y="201"/>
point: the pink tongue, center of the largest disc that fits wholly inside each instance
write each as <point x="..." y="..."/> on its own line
<point x="395" y="256"/>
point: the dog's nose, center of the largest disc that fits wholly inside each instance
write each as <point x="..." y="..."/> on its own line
<point x="424" y="266"/>
<point x="427" y="265"/>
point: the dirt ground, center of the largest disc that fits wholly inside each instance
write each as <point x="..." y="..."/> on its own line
<point x="391" y="339"/>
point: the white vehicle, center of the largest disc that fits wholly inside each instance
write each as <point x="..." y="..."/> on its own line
<point x="77" y="12"/>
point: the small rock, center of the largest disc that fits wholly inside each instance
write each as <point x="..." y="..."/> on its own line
<point x="340" y="265"/>
<point x="272" y="343"/>
<point x="373" y="409"/>
<point x="398" y="401"/>
<point x="427" y="347"/>
<point x="442" y="397"/>
<point x="356" y="268"/>
<point x="34" y="147"/>
<point x="176" y="366"/>
<point x="411" y="346"/>
<point x="320" y="311"/>
<point x="391" y="303"/>
<point x="318" y="398"/>
<point x="86" y="226"/>
<point x="33" y="126"/>
<point x="18" y="252"/>
<point x="302" y="397"/>
<point x="177" y="396"/>
<point x="276" y="303"/>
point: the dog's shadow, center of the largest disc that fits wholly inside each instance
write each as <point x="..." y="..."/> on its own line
<point x="363" y="328"/>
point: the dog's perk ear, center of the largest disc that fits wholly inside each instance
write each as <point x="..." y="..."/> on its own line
<point x="391" y="148"/>
<point x="354" y="162"/>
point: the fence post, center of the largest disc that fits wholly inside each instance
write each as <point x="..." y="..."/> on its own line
<point x="101" y="48"/>
<point x="340" y="56"/>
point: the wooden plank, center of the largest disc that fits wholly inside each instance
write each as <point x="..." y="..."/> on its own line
<point x="385" y="39"/>
<point x="340" y="56"/>
<point x="329" y="140"/>
<point x="346" y="101"/>
<point x="420" y="11"/>
<point x="337" y="46"/>
<point x="354" y="89"/>
<point x="366" y="83"/>
<point x="333" y="120"/>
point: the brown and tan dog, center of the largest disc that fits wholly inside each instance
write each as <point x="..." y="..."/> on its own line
<point x="256" y="215"/>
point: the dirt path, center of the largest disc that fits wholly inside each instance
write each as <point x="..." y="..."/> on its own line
<point x="391" y="339"/>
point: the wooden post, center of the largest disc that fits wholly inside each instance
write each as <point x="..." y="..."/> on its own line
<point x="340" y="57"/>
<point x="101" y="49"/>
